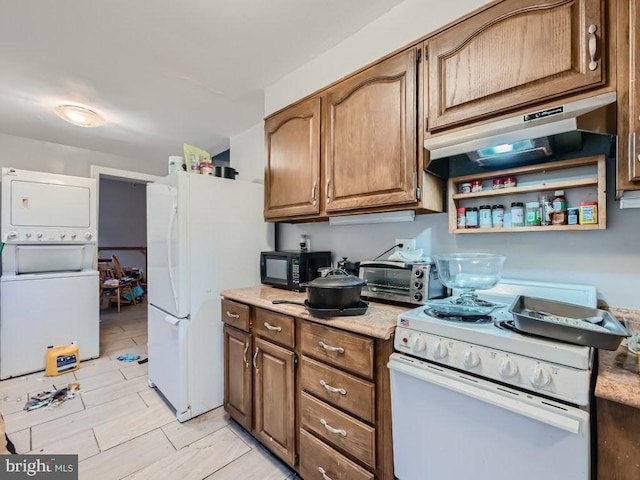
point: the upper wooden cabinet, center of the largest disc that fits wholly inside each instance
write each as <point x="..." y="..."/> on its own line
<point x="370" y="127"/>
<point x="628" y="53"/>
<point x="292" y="171"/>
<point x="513" y="54"/>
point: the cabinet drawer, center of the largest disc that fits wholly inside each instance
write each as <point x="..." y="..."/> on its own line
<point x="236" y="314"/>
<point x="276" y="327"/>
<point x="346" y="350"/>
<point x="319" y="461"/>
<point x="339" y="388"/>
<point x="339" y="429"/>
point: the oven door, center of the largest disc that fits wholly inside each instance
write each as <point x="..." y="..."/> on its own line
<point x="447" y="424"/>
<point x="386" y="282"/>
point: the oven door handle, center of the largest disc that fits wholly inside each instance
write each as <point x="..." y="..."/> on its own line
<point x="562" y="422"/>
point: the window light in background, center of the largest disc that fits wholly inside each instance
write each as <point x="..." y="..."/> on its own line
<point x="79" y="115"/>
<point x="384" y="217"/>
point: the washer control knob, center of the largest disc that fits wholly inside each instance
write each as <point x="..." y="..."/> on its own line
<point x="440" y="350"/>
<point x="418" y="344"/>
<point x="87" y="235"/>
<point x="470" y="359"/>
<point x="12" y="234"/>
<point x="39" y="234"/>
<point x="73" y="235"/>
<point x="62" y="235"/>
<point x="507" y="367"/>
<point x="28" y="234"/>
<point x="539" y="376"/>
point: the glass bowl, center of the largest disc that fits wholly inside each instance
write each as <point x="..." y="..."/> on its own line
<point x="470" y="271"/>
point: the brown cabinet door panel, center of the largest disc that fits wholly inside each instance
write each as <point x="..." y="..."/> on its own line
<point x="514" y="54"/>
<point x="237" y="375"/>
<point x="292" y="171"/>
<point x="274" y="422"/>
<point x="634" y="94"/>
<point x="370" y="136"/>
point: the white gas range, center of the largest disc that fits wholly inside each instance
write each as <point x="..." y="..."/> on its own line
<point x="477" y="398"/>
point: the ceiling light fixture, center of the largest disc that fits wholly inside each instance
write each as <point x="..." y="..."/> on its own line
<point x="79" y="115"/>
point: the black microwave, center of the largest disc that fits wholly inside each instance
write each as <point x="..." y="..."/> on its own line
<point x="291" y="269"/>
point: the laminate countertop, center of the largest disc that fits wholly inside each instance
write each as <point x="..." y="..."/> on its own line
<point x="379" y="321"/>
<point x="619" y="374"/>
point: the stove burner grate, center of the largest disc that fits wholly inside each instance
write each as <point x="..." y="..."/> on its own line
<point x="434" y="312"/>
<point x="511" y="325"/>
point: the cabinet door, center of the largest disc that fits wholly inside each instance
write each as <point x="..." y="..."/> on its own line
<point x="370" y="125"/>
<point x="516" y="53"/>
<point x="237" y="375"/>
<point x="634" y="94"/>
<point x="292" y="172"/>
<point x="274" y="412"/>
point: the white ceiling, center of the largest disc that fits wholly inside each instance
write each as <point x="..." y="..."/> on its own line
<point x="163" y="72"/>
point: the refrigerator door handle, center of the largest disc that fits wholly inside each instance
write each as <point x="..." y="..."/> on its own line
<point x="172" y="320"/>
<point x="172" y="221"/>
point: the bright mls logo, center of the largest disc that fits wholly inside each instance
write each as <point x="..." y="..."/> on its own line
<point x="60" y="467"/>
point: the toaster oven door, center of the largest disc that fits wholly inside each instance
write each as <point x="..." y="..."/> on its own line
<point x="387" y="282"/>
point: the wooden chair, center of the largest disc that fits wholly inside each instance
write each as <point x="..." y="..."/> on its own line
<point x="120" y="272"/>
<point x="114" y="287"/>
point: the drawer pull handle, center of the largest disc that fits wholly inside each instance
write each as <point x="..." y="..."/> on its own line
<point x="323" y="472"/>
<point x="330" y="429"/>
<point x="330" y="348"/>
<point x="244" y="355"/>
<point x="255" y="357"/>
<point x="233" y="315"/>
<point x="272" y="328"/>
<point x="331" y="389"/>
<point x="592" y="47"/>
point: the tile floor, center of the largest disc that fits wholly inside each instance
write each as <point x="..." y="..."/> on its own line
<point x="121" y="428"/>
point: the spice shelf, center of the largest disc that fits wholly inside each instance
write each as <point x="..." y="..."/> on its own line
<point x="584" y="179"/>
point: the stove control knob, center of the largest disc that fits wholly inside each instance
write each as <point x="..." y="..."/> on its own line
<point x="417" y="296"/>
<point x="539" y="377"/>
<point x="440" y="350"/>
<point x="418" y="344"/>
<point x="418" y="273"/>
<point x="507" y="367"/>
<point x="470" y="359"/>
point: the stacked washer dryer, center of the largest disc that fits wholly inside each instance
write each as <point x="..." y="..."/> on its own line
<point x="49" y="288"/>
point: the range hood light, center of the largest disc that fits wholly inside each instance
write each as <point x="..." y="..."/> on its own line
<point x="505" y="148"/>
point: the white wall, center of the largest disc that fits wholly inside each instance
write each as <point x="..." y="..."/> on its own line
<point x="248" y="154"/>
<point x="609" y="259"/>
<point x="28" y="154"/>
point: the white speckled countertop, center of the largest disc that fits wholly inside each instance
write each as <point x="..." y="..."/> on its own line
<point x="379" y="321"/>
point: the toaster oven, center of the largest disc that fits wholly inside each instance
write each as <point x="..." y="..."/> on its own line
<point x="409" y="283"/>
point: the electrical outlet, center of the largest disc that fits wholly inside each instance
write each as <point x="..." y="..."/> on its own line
<point x="407" y="244"/>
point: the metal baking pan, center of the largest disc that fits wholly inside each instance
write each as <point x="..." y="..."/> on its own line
<point x="529" y="316"/>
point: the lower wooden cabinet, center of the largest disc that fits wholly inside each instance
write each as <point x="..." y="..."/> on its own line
<point x="273" y="397"/>
<point x="316" y="396"/>
<point x="237" y="375"/>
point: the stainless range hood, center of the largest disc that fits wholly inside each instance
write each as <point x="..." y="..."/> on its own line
<point x="592" y="114"/>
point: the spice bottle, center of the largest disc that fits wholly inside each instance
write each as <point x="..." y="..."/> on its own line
<point x="462" y="220"/>
<point x="559" y="215"/>
<point x="588" y="212"/>
<point x="532" y="214"/>
<point x="471" y="216"/>
<point x="497" y="216"/>
<point x="546" y="209"/>
<point x="484" y="214"/>
<point x="517" y="214"/>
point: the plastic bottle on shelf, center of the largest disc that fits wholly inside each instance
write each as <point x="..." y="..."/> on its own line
<point x="559" y="215"/>
<point x="546" y="209"/>
<point x="517" y="214"/>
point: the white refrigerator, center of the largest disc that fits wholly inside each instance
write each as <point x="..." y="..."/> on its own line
<point x="204" y="235"/>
